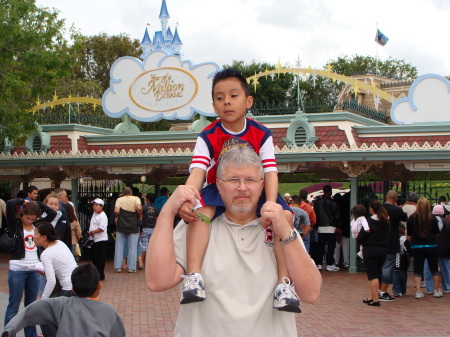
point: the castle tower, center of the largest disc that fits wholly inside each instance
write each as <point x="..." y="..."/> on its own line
<point x="164" y="17"/>
<point x="147" y="45"/>
<point x="176" y="43"/>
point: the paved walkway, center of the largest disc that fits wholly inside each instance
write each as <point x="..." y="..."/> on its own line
<point x="339" y="311"/>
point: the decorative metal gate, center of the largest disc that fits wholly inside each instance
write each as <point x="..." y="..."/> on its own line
<point x="107" y="190"/>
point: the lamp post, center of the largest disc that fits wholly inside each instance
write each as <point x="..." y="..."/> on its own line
<point x="143" y="179"/>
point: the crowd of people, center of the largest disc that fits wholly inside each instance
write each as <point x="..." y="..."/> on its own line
<point x="243" y="255"/>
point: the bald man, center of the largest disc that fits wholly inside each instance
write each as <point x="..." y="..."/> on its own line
<point x="396" y="215"/>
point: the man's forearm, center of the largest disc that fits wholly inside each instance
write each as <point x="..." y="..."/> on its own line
<point x="303" y="272"/>
<point x="161" y="267"/>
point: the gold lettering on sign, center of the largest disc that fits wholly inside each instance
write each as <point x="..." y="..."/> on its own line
<point x="163" y="87"/>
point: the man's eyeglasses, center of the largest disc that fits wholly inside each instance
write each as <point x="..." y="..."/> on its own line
<point x="237" y="181"/>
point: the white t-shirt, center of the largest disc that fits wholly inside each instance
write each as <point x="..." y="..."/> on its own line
<point x="58" y="263"/>
<point x="31" y="257"/>
<point x="240" y="274"/>
<point x="99" y="221"/>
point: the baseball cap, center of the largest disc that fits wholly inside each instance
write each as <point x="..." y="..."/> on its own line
<point x="287" y="195"/>
<point x="438" y="210"/>
<point x="98" y="201"/>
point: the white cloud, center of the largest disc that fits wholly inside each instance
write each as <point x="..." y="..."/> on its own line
<point x="428" y="101"/>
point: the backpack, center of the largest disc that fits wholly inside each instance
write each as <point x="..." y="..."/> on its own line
<point x="444" y="239"/>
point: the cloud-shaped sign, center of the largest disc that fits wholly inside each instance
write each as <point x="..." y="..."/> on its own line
<point x="160" y="87"/>
<point x="428" y="101"/>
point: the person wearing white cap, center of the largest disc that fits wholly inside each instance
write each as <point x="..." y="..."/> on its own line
<point x="288" y="198"/>
<point x="98" y="233"/>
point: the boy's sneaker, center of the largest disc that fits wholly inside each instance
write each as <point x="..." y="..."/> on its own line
<point x="194" y="288"/>
<point x="286" y="299"/>
<point x="429" y="292"/>
<point x="422" y="284"/>
<point x="419" y="294"/>
<point x="319" y="267"/>
<point x="446" y="291"/>
<point x="437" y="293"/>
<point x="398" y="294"/>
<point x="332" y="268"/>
<point x="385" y="297"/>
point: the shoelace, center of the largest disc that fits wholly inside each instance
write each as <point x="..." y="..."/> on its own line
<point x="288" y="288"/>
<point x="190" y="281"/>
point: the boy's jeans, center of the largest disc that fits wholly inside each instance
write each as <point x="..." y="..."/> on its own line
<point x="400" y="281"/>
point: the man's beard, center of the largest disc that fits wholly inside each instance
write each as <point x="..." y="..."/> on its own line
<point x="241" y="208"/>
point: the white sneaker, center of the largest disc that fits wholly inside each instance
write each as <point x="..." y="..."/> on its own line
<point x="419" y="294"/>
<point x="194" y="288"/>
<point x="332" y="268"/>
<point x="437" y="293"/>
<point x="319" y="267"/>
<point x="286" y="299"/>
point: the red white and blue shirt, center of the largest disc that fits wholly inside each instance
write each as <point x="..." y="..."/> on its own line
<point x="215" y="138"/>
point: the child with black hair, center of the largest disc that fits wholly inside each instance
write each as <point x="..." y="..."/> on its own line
<point x="231" y="99"/>
<point x="401" y="264"/>
<point x="80" y="315"/>
<point x="359" y="222"/>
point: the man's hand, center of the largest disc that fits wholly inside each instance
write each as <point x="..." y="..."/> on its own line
<point x="186" y="212"/>
<point x="181" y="195"/>
<point x="272" y="214"/>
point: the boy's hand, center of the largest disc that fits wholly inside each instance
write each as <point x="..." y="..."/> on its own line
<point x="186" y="212"/>
<point x="182" y="194"/>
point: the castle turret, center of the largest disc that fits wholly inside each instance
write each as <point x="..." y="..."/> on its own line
<point x="147" y="45"/>
<point x="164" y="17"/>
<point x="176" y="43"/>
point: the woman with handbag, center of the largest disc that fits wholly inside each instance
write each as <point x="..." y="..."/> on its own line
<point x="22" y="276"/>
<point x="98" y="232"/>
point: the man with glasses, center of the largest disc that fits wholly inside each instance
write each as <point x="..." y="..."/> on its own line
<point x="239" y="267"/>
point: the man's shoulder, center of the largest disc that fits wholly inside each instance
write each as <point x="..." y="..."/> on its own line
<point x="298" y="211"/>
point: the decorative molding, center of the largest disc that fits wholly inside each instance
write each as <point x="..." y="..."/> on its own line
<point x="383" y="148"/>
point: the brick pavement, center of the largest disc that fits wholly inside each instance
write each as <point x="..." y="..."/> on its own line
<point x="339" y="311"/>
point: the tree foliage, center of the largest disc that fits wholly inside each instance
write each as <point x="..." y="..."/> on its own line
<point x="94" y="56"/>
<point x="361" y="65"/>
<point x="274" y="90"/>
<point x="32" y="57"/>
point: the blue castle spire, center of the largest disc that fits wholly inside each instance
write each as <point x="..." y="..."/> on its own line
<point x="163" y="40"/>
<point x="164" y="13"/>
<point x="146" y="44"/>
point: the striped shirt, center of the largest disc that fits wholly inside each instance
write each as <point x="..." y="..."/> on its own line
<point x="214" y="138"/>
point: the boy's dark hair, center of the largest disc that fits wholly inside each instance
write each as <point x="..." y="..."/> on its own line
<point x="303" y="194"/>
<point x="85" y="280"/>
<point x="230" y="73"/>
<point x="151" y="197"/>
<point x="296" y="199"/>
<point x="163" y="191"/>
<point x="32" y="188"/>
<point x="47" y="229"/>
<point x="442" y="198"/>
